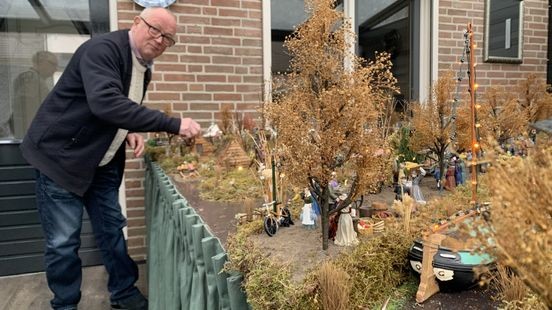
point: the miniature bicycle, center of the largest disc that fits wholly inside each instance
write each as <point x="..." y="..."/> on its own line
<point x="274" y="219"/>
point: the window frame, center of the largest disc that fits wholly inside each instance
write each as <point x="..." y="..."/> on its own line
<point x="488" y="57"/>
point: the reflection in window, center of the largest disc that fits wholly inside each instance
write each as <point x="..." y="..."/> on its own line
<point x="37" y="39"/>
<point x="503" y="30"/>
<point x="385" y="26"/>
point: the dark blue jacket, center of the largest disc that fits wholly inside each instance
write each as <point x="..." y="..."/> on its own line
<point x="77" y="121"/>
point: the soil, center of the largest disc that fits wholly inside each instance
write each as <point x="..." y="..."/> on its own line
<point x="302" y="248"/>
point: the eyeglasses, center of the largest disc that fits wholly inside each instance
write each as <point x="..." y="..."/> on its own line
<point x="156" y="33"/>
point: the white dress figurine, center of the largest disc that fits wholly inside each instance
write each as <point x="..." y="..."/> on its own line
<point x="416" y="191"/>
<point x="345" y="235"/>
<point x="308" y="218"/>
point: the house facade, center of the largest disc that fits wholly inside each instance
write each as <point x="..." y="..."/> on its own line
<point x="226" y="51"/>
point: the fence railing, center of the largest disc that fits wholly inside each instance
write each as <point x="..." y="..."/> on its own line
<point x="185" y="260"/>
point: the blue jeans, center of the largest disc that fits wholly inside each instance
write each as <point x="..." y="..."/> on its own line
<point x="61" y="216"/>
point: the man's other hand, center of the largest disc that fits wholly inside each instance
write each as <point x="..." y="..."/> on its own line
<point x="189" y="128"/>
<point x="136" y="142"/>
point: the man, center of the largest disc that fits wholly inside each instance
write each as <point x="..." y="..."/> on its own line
<point x="30" y="88"/>
<point x="76" y="144"/>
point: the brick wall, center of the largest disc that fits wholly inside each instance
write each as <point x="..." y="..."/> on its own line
<point x="216" y="62"/>
<point x="453" y="18"/>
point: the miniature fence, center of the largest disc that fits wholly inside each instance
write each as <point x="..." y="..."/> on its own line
<point x="185" y="260"/>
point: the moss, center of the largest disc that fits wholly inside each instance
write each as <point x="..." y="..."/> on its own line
<point x="233" y="185"/>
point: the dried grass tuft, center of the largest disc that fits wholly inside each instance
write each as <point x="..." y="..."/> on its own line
<point x="334" y="287"/>
<point x="509" y="286"/>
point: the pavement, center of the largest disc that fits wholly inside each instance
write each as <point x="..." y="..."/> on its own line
<point x="30" y="291"/>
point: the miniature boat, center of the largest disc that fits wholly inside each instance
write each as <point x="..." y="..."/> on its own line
<point x="454" y="269"/>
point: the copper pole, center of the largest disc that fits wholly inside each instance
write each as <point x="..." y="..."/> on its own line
<point x="474" y="141"/>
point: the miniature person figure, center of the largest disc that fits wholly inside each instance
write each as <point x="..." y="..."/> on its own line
<point x="308" y="216"/>
<point x="333" y="187"/>
<point x="450" y="181"/>
<point x="403" y="186"/>
<point x="345" y="235"/>
<point x="416" y="191"/>
<point x="459" y="172"/>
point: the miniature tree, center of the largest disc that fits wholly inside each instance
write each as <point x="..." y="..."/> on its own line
<point x="431" y="121"/>
<point x="501" y="117"/>
<point x="519" y="230"/>
<point x="328" y="115"/>
<point x="536" y="101"/>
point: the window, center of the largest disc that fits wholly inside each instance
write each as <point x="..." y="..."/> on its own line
<point x="504" y="20"/>
<point x="384" y="25"/>
<point x="37" y="39"/>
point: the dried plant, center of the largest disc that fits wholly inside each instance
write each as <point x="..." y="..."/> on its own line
<point x="226" y="119"/>
<point x="521" y="219"/>
<point x="432" y="121"/>
<point x="328" y="115"/>
<point x="334" y="286"/>
<point x="536" y="101"/>
<point x="501" y="116"/>
<point x="509" y="286"/>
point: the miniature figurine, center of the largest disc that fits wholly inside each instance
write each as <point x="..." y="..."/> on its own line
<point x="416" y="179"/>
<point x="345" y="235"/>
<point x="308" y="216"/>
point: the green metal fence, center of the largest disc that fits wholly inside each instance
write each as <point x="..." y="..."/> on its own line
<point x="185" y="260"/>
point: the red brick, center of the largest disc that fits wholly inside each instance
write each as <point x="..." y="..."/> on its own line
<point x="251" y="24"/>
<point x="135" y="213"/>
<point x="211" y="78"/>
<point x="162" y="96"/>
<point x="136" y="222"/>
<point x="180" y="106"/>
<point x="196" y="97"/>
<point x="219" y="31"/>
<point x="240" y="32"/>
<point x="248" y="88"/>
<point x="212" y="106"/>
<point x="195" y="59"/>
<point x="192" y="39"/>
<point x="209" y="11"/>
<point x="225" y="22"/>
<point x="197" y="87"/>
<point x="251" y="5"/>
<point x="171" y="86"/>
<point x="234" y="79"/>
<point x="218" y="50"/>
<point x="194" y="68"/>
<point x="134" y="192"/>
<point x="179" y="77"/>
<point x="232" y="12"/>
<point x="226" y="3"/>
<point x="219" y="69"/>
<point x="219" y="88"/>
<point x="184" y="9"/>
<point x="252" y="42"/>
<point x="227" y="60"/>
<point x="226" y="41"/>
<point x="227" y="97"/>
<point x="194" y="20"/>
<point x="167" y="67"/>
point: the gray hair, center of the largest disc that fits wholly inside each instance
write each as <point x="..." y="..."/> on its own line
<point x="147" y="12"/>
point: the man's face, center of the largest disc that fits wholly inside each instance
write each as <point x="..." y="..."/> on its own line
<point x="47" y="66"/>
<point x="148" y="45"/>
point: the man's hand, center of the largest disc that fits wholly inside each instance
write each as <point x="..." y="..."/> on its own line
<point x="189" y="128"/>
<point x="136" y="142"/>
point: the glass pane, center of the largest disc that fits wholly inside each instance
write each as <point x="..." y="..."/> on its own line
<point x="37" y="39"/>
<point x="53" y="9"/>
<point x="387" y="30"/>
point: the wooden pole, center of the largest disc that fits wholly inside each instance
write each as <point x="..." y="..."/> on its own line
<point x="472" y="89"/>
